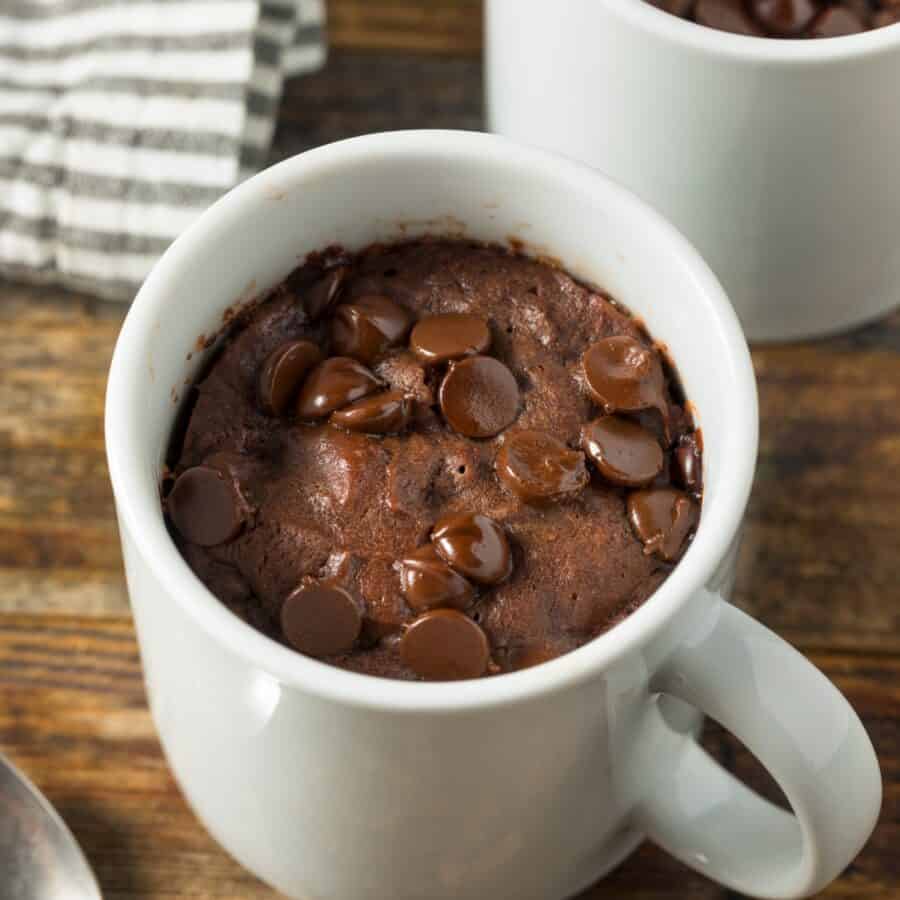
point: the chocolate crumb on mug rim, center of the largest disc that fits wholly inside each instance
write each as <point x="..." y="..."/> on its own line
<point x="468" y="469"/>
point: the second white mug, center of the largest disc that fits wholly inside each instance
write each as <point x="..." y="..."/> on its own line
<point x="780" y="160"/>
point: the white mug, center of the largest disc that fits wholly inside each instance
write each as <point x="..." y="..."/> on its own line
<point x="327" y="783"/>
<point x="779" y="160"/>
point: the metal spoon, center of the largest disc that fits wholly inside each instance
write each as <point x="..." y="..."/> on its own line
<point x="39" y="857"/>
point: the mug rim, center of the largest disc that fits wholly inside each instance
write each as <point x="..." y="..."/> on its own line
<point x="142" y="518"/>
<point x="788" y="52"/>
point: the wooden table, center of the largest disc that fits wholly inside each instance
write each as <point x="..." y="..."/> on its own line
<point x="820" y="562"/>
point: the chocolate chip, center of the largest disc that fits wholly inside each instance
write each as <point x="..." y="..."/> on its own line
<point x="320" y="619"/>
<point x="527" y="656"/>
<point x="325" y="291"/>
<point x="366" y="328"/>
<point x="283" y="372"/>
<point x="538" y="467"/>
<point x="836" y="21"/>
<point x="474" y="545"/>
<point x="445" y="645"/>
<point x="334" y="383"/>
<point x="387" y="413"/>
<point x="624" y="375"/>
<point x="440" y="339"/>
<point x="885" y="17"/>
<point x="623" y="452"/>
<point x="726" y="15"/>
<point x="479" y="397"/>
<point x="785" y="18"/>
<point x="675" y="7"/>
<point x="428" y="582"/>
<point x="205" y="507"/>
<point x="688" y="466"/>
<point x="662" y="518"/>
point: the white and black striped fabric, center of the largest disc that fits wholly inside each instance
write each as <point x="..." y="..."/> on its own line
<point x="122" y="120"/>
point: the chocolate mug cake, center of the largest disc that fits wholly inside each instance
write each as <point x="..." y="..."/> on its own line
<point x="434" y="460"/>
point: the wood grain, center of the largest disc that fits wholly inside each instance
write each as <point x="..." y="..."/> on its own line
<point x="442" y="26"/>
<point x="72" y="714"/>
<point x="821" y="556"/>
<point x="58" y="539"/>
<point x="358" y="93"/>
<point x="820" y="561"/>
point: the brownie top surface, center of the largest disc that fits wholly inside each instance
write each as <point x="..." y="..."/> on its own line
<point x="337" y="491"/>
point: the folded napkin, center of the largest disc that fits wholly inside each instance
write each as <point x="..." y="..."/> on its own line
<point x="122" y="120"/>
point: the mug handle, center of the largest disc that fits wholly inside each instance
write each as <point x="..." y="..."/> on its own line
<point x="796" y="722"/>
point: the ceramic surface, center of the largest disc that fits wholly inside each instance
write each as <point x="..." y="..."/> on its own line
<point x="780" y="160"/>
<point x="530" y="785"/>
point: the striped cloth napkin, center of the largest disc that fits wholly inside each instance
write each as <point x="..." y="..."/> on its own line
<point x="122" y="120"/>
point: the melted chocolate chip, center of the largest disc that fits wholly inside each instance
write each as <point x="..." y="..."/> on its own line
<point x="205" y="507"/>
<point x="479" y="397"/>
<point x="283" y="372"/>
<point x="366" y="328"/>
<point x="663" y="518"/>
<point x="623" y="375"/>
<point x="320" y="619"/>
<point x="428" y="582"/>
<point x="387" y="413"/>
<point x="334" y="383"/>
<point x="623" y="452"/>
<point x="445" y="645"/>
<point x="688" y="466"/>
<point x="538" y="467"/>
<point x="786" y="18"/>
<point x="443" y="338"/>
<point x="475" y="546"/>
<point x="324" y="292"/>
